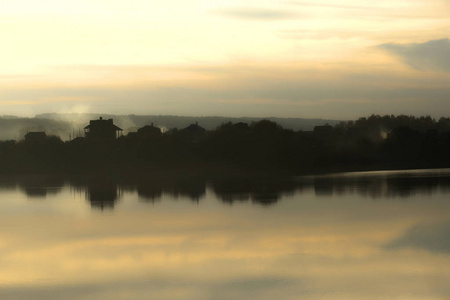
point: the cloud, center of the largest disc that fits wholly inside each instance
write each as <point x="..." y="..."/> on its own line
<point x="431" y="55"/>
<point x="300" y="3"/>
<point x="271" y="100"/>
<point x="239" y="90"/>
<point x="429" y="237"/>
<point x="258" y="14"/>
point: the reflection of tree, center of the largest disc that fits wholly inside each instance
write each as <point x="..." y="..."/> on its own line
<point x="192" y="188"/>
<point x="261" y="191"/>
<point x="35" y="192"/>
<point x="39" y="186"/>
<point x="7" y="183"/>
<point x="103" y="190"/>
<point x="265" y="198"/>
<point x="231" y="190"/>
<point x="153" y="189"/>
<point x="324" y="186"/>
<point x="407" y="186"/>
<point x="383" y="185"/>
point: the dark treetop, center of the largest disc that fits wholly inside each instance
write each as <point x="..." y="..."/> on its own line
<point x="377" y="142"/>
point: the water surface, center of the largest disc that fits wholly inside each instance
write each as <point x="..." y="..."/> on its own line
<point x="374" y="235"/>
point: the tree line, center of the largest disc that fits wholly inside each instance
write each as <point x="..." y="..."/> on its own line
<point x="375" y="142"/>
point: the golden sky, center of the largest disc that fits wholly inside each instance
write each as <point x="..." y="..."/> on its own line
<point x="329" y="59"/>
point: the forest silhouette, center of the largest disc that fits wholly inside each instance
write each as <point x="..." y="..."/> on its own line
<point x="263" y="147"/>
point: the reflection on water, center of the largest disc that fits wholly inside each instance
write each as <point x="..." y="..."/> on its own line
<point x="38" y="186"/>
<point x="433" y="237"/>
<point x="263" y="192"/>
<point x="383" y="184"/>
<point x="102" y="194"/>
<point x="105" y="192"/>
<point x="319" y="237"/>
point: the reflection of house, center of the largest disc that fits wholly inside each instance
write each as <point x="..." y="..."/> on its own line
<point x="35" y="137"/>
<point x="102" y="130"/>
<point x="102" y="195"/>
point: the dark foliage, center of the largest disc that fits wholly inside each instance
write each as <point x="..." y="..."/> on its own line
<point x="376" y="142"/>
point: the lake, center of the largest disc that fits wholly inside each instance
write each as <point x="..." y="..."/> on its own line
<point x="368" y="235"/>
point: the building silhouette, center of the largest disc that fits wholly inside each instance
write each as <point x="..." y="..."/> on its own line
<point x="149" y="131"/>
<point x="194" y="129"/>
<point x="35" y="137"/>
<point x="101" y="130"/>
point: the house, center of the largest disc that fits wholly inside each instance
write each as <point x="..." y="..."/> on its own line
<point x="35" y="137"/>
<point x="194" y="129"/>
<point x="102" y="130"/>
<point x="149" y="131"/>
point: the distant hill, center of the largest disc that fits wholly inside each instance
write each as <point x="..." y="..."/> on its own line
<point x="71" y="125"/>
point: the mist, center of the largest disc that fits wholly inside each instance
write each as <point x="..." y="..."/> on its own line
<point x="71" y="125"/>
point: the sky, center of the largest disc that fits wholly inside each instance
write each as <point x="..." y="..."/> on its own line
<point x="308" y="59"/>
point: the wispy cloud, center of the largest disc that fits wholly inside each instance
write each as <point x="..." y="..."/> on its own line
<point x="243" y="90"/>
<point x="315" y="4"/>
<point x="259" y="14"/>
<point x="431" y="55"/>
<point x="379" y="10"/>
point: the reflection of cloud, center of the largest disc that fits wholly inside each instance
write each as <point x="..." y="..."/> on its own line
<point x="430" y="237"/>
<point x="158" y="287"/>
<point x="257" y="14"/>
<point x="252" y="287"/>
<point x="431" y="55"/>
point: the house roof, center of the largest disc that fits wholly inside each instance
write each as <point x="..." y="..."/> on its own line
<point x="149" y="128"/>
<point x="195" y="128"/>
<point x="113" y="126"/>
<point x="103" y="123"/>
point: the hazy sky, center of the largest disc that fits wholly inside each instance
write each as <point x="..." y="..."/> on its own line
<point x="329" y="59"/>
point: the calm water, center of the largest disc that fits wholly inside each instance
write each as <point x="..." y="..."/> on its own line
<point x="379" y="235"/>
